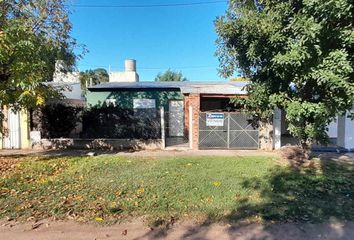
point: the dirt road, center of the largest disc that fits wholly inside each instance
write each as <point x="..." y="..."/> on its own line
<point x="183" y="230"/>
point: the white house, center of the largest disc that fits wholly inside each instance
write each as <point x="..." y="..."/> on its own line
<point x="340" y="131"/>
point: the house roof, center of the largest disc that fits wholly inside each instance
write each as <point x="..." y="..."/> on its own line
<point x="60" y="84"/>
<point x="227" y="88"/>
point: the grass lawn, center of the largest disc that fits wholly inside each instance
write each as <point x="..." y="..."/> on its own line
<point x="111" y="188"/>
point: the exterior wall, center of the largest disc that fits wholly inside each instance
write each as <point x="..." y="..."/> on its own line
<point x="73" y="92"/>
<point x="123" y="77"/>
<point x="266" y="141"/>
<point x="24" y="124"/>
<point x="277" y="128"/>
<point x="111" y="144"/>
<point x="62" y="73"/>
<point x="333" y="128"/>
<point x="349" y="133"/>
<point x="341" y="130"/>
<point x="125" y="99"/>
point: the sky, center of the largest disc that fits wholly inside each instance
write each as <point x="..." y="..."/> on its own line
<point x="180" y="38"/>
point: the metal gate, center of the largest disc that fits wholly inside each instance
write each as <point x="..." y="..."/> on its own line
<point x="233" y="131"/>
<point x="13" y="138"/>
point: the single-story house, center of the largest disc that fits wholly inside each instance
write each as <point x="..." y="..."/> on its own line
<point x="179" y="100"/>
<point x="201" y="113"/>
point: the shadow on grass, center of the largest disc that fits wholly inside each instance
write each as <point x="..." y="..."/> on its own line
<point x="57" y="153"/>
<point x="294" y="197"/>
<point x="311" y="194"/>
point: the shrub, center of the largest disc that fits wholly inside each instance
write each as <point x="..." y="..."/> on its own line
<point x="58" y="120"/>
<point x="115" y="122"/>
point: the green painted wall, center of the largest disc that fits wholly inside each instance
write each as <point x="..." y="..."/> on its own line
<point x="124" y="99"/>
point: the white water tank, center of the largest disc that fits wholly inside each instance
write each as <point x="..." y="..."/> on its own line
<point x="129" y="74"/>
<point x="130" y="65"/>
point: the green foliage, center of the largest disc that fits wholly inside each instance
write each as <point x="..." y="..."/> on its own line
<point x="239" y="79"/>
<point x="58" y="120"/>
<point x="298" y="55"/>
<point x="33" y="34"/>
<point x="170" y="76"/>
<point x="256" y="103"/>
<point x="96" y="76"/>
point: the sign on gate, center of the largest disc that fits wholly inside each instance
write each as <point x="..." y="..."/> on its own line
<point x="215" y="119"/>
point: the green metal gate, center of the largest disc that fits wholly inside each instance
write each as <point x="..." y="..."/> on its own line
<point x="234" y="131"/>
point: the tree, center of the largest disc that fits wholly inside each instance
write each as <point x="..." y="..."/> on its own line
<point x="170" y="76"/>
<point x="239" y="79"/>
<point x="96" y="76"/>
<point x="33" y="34"/>
<point x="298" y="55"/>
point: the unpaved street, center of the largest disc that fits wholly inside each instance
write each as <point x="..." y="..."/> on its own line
<point x="49" y="230"/>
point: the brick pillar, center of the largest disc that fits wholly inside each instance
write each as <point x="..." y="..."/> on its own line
<point x="194" y="101"/>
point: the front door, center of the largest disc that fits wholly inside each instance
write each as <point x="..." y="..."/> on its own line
<point x="176" y="119"/>
<point x="14" y="134"/>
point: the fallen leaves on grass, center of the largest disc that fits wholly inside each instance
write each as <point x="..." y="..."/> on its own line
<point x="217" y="184"/>
<point x="141" y="190"/>
<point x="6" y="164"/>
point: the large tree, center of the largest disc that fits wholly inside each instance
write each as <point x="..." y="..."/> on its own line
<point x="298" y="55"/>
<point x="33" y="34"/>
<point x="96" y="76"/>
<point x="170" y="76"/>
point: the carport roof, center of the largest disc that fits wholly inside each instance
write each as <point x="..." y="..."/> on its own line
<point x="226" y="88"/>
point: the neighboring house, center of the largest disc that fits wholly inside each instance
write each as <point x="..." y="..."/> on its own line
<point x="68" y="83"/>
<point x="17" y="124"/>
<point x="340" y="132"/>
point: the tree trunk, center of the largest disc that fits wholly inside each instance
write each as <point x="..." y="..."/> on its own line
<point x="306" y="148"/>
